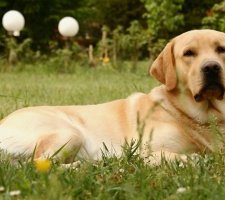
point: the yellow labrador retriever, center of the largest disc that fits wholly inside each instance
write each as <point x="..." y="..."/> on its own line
<point x="175" y="117"/>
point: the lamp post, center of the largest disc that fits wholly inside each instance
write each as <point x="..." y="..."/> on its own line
<point x="68" y="27"/>
<point x="13" y="22"/>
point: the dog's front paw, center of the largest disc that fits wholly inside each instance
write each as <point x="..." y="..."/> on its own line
<point x="156" y="158"/>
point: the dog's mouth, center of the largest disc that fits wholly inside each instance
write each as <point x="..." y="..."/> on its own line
<point x="210" y="91"/>
<point x="212" y="87"/>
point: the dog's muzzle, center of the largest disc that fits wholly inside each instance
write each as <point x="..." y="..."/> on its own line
<point x="212" y="87"/>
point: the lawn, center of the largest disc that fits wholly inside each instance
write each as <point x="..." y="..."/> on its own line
<point x="202" y="177"/>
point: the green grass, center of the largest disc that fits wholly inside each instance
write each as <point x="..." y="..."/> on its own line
<point x="112" y="178"/>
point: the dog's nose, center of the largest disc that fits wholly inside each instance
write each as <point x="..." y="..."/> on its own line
<point x="211" y="67"/>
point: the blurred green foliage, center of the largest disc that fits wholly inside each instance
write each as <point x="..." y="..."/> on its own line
<point x="136" y="29"/>
<point x="163" y="17"/>
<point x="215" y="18"/>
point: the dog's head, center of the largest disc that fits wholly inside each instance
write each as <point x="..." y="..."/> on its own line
<point x="194" y="60"/>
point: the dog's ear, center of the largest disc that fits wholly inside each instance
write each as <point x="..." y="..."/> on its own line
<point x="163" y="68"/>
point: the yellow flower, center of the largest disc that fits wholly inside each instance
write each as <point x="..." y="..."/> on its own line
<point x="105" y="59"/>
<point x="43" y="165"/>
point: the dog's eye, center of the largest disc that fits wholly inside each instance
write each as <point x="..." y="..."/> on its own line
<point x="189" y="53"/>
<point x="220" y="49"/>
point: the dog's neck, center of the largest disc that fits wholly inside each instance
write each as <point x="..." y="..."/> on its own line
<point x="202" y="112"/>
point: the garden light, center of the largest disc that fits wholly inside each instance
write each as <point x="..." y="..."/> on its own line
<point x="68" y="27"/>
<point x="13" y="21"/>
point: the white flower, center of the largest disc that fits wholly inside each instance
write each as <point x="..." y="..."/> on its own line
<point x="15" y="193"/>
<point x="75" y="165"/>
<point x="181" y="190"/>
<point x="181" y="165"/>
<point x="2" y="189"/>
<point x="121" y="170"/>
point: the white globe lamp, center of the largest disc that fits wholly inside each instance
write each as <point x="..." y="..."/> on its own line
<point x="13" y="21"/>
<point x="68" y="27"/>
